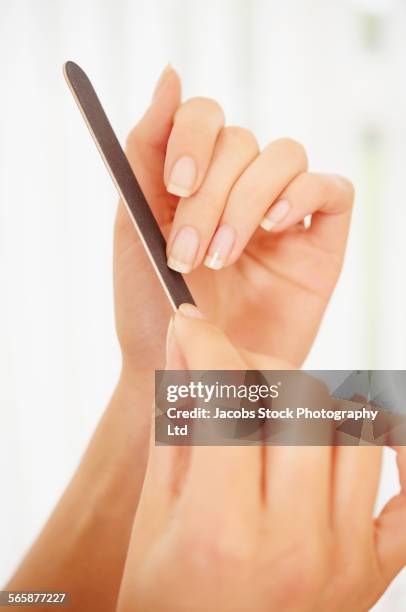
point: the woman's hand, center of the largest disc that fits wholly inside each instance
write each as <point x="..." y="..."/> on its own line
<point x="266" y="287"/>
<point x="258" y="528"/>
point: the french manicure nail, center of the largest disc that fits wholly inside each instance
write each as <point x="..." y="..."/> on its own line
<point x="184" y="250"/>
<point x="220" y="247"/>
<point x="276" y="214"/>
<point x="160" y="86"/>
<point x="188" y="310"/>
<point x="182" y="178"/>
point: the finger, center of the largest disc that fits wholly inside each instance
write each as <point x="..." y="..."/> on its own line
<point x="196" y="217"/>
<point x="146" y="144"/>
<point x="298" y="489"/>
<point x="153" y="513"/>
<point x="390" y="526"/>
<point x="298" y="478"/>
<point x="328" y="198"/>
<point x="356" y="478"/>
<point x="223" y="484"/>
<point x="182" y="346"/>
<point x="278" y="164"/>
<point x="158" y="493"/>
<point x="197" y="124"/>
<point x="203" y="346"/>
<point x="165" y="470"/>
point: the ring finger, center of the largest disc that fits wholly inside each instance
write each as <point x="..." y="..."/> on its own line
<point x="267" y="176"/>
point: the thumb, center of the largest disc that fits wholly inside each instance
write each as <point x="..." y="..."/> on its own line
<point x="202" y="345"/>
<point x="146" y="144"/>
<point x="390" y="526"/>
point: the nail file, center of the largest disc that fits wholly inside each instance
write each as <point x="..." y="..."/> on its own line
<point x="126" y="183"/>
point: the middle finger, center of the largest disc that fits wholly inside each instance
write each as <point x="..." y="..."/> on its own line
<point x="197" y="217"/>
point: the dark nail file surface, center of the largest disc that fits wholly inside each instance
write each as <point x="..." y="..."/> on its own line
<point x="126" y="183"/>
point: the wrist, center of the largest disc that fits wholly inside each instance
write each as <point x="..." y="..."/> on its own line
<point x="134" y="380"/>
<point x="134" y="393"/>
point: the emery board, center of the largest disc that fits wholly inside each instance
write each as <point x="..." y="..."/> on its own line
<point x="126" y="183"/>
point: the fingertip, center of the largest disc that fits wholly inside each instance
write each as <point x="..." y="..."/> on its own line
<point x="183" y="176"/>
<point x="213" y="262"/>
<point x="186" y="328"/>
<point x="169" y="78"/>
<point x="188" y="321"/>
<point x="203" y="345"/>
<point x="190" y="311"/>
<point x="178" y="191"/>
<point x="221" y="248"/>
<point x="155" y="125"/>
<point x="276" y="216"/>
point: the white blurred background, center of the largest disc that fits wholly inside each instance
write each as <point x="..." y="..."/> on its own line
<point x="328" y="73"/>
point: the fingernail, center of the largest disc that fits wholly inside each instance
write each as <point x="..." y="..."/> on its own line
<point x="184" y="250"/>
<point x="182" y="177"/>
<point x="220" y="247"/>
<point x="188" y="310"/>
<point x="275" y="215"/>
<point x="160" y="86"/>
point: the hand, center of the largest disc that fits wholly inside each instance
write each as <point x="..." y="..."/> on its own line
<point x="258" y="528"/>
<point x="273" y="286"/>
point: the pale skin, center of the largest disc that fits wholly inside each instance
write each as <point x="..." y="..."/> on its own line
<point x="258" y="528"/>
<point x="264" y="307"/>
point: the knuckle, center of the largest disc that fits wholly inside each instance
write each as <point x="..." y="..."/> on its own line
<point x="241" y="137"/>
<point x="294" y="149"/>
<point x="200" y="104"/>
<point x="348" y="188"/>
<point x="339" y="189"/>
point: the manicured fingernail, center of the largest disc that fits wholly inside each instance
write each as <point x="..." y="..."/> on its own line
<point x="182" y="177"/>
<point x="188" y="310"/>
<point x="160" y="86"/>
<point x="275" y="215"/>
<point x="183" y="250"/>
<point x="220" y="247"/>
